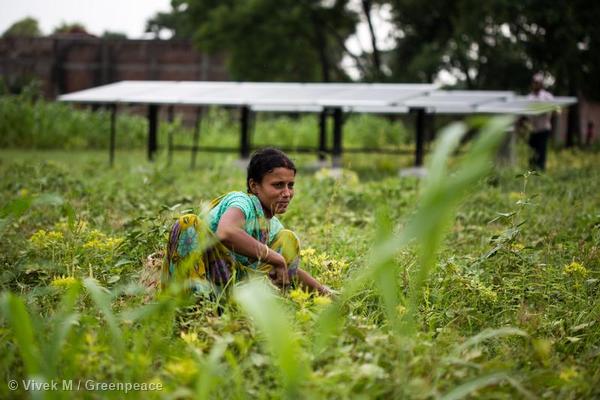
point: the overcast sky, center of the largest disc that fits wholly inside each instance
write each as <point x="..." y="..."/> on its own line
<point x="126" y="16"/>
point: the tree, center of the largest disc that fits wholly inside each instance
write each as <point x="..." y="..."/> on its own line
<point x="28" y="27"/>
<point x="266" y="39"/>
<point x="114" y="35"/>
<point x="462" y="37"/>
<point x="71" y="28"/>
<point x="562" y="39"/>
<point x="375" y="56"/>
<point x="500" y="44"/>
<point x="176" y="23"/>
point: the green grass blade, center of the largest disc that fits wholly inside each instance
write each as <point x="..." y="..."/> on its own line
<point x="16" y="313"/>
<point x="441" y="195"/>
<point x="259" y="301"/>
<point x="467" y="388"/>
<point x="62" y="324"/>
<point x="102" y="300"/>
<point x="209" y="370"/>
<point x="490" y="334"/>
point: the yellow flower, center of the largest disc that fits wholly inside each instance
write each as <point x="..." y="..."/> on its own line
<point x="92" y="244"/>
<point x="333" y="269"/>
<point x="189" y="338"/>
<point x="23" y="192"/>
<point x="99" y="241"/>
<point x="55" y="236"/>
<point x="42" y="239"/>
<point x="309" y="251"/>
<point x="517" y="247"/>
<point x="568" y="374"/>
<point x="183" y="369"/>
<point x="321" y="300"/>
<point x="63" y="281"/>
<point x="39" y="239"/>
<point x="299" y="296"/>
<point x="575" y="269"/>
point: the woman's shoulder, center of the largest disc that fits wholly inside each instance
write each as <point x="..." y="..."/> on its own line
<point x="236" y="195"/>
<point x="240" y="200"/>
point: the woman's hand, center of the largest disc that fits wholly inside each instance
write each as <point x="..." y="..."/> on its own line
<point x="327" y="291"/>
<point x="280" y="277"/>
<point x="279" y="273"/>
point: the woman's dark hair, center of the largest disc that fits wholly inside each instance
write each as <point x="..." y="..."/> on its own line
<point x="264" y="161"/>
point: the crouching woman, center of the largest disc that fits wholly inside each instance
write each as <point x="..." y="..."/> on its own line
<point x="242" y="235"/>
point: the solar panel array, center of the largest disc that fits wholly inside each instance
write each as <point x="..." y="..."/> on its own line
<point x="375" y="98"/>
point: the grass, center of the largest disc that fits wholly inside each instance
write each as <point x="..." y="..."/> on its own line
<point x="468" y="284"/>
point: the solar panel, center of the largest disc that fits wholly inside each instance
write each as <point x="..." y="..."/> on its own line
<point x="256" y="94"/>
<point x="375" y="95"/>
<point x="460" y="98"/>
<point x="376" y="98"/>
<point x="114" y="92"/>
<point x="521" y="105"/>
<point x="179" y="92"/>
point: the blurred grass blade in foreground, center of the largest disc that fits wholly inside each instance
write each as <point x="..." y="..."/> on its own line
<point x="102" y="299"/>
<point x="15" y="312"/>
<point x="259" y="301"/>
<point x="441" y="195"/>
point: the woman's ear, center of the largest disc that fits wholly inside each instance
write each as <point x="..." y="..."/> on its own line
<point x="252" y="185"/>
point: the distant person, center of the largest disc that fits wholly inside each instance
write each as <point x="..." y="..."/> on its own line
<point x="589" y="133"/>
<point x="541" y="125"/>
<point x="241" y="235"/>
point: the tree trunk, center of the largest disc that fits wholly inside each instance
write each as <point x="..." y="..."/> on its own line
<point x="320" y="43"/>
<point x="367" y="5"/>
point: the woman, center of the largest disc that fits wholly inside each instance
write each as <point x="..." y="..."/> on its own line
<point x="242" y="234"/>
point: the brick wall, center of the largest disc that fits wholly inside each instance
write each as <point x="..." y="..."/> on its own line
<point x="66" y="63"/>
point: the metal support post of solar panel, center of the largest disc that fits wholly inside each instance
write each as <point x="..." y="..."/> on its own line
<point x="324" y="99"/>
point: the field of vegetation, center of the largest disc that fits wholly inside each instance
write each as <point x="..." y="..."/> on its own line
<point x="472" y="283"/>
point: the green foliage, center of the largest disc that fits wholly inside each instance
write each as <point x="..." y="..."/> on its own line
<point x="256" y="36"/>
<point x="470" y="283"/>
<point x="29" y="122"/>
<point x="27" y="27"/>
<point x="70" y="27"/>
<point x="114" y="35"/>
<point x="498" y="44"/>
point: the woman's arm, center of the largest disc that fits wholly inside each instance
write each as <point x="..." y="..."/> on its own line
<point x="312" y="284"/>
<point x="231" y="233"/>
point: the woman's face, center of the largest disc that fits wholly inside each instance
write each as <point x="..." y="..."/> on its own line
<point x="275" y="191"/>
